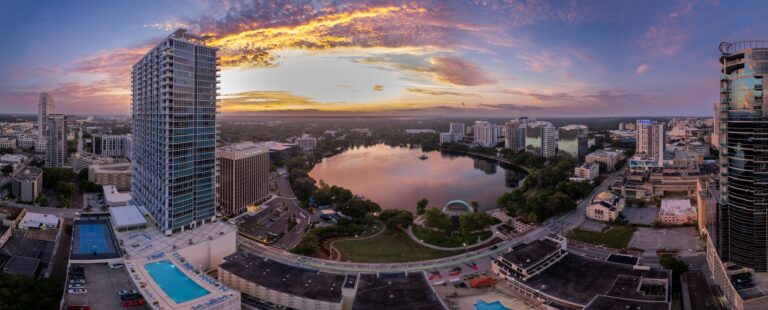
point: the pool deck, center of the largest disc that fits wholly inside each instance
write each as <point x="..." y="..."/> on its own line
<point x="151" y="241"/>
<point x="219" y="297"/>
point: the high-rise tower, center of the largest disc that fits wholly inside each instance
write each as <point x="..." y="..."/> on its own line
<point x="56" y="132"/>
<point x="174" y="132"/>
<point x="743" y="136"/>
<point x="651" y="139"/>
<point x="45" y="106"/>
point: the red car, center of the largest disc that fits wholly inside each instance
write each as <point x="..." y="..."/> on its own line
<point x="134" y="303"/>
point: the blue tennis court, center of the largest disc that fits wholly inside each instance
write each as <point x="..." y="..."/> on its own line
<point x="92" y="239"/>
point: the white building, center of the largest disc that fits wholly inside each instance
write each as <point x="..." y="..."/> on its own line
<point x="458" y="129"/>
<point x="127" y="218"/>
<point x="38" y="220"/>
<point x="587" y="171"/>
<point x="45" y="107"/>
<point x="486" y="134"/>
<point x="605" y="207"/>
<point x="305" y="142"/>
<point x="7" y="143"/>
<point x="677" y="212"/>
<point x="56" y="132"/>
<point x="609" y="158"/>
<point x="651" y="139"/>
<point x="109" y="145"/>
<point x="514" y="135"/>
<point x="447" y="137"/>
<point x="174" y="169"/>
<point x="541" y="138"/>
<point x="115" y="198"/>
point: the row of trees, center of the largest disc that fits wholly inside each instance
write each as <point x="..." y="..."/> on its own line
<point x="468" y="222"/>
<point x="60" y="181"/>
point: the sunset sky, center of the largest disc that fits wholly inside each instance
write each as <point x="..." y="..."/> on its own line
<point x="462" y="58"/>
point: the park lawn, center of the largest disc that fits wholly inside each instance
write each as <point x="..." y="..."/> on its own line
<point x="615" y="236"/>
<point x="388" y="247"/>
<point x="442" y="239"/>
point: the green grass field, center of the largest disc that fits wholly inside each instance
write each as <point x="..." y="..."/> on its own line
<point x="388" y="247"/>
<point x="616" y="236"/>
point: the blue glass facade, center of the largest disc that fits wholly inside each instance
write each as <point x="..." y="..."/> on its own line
<point x="174" y="128"/>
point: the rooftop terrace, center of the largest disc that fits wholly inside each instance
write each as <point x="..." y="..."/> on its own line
<point x="395" y="291"/>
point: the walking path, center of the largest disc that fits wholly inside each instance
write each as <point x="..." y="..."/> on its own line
<point x="338" y="253"/>
<point x="409" y="231"/>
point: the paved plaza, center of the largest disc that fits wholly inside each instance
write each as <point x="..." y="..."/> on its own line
<point x="685" y="240"/>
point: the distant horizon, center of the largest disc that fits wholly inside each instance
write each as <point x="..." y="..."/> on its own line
<point x="393" y="57"/>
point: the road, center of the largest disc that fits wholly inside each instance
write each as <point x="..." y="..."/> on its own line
<point x="290" y="239"/>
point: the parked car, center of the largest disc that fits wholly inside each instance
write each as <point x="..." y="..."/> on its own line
<point x="134" y="303"/>
<point x="130" y="297"/>
<point x="116" y="265"/>
<point x="126" y="292"/>
<point x="75" y="285"/>
<point x="80" y="281"/>
<point x="77" y="291"/>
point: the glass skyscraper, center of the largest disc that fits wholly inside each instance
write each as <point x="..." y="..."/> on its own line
<point x="572" y="140"/>
<point x="743" y="137"/>
<point x="174" y="132"/>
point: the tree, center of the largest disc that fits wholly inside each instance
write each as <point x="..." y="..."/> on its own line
<point x="83" y="174"/>
<point x="670" y="262"/>
<point x="20" y="292"/>
<point x="474" y="205"/>
<point x="7" y="170"/>
<point x="475" y="221"/>
<point x="90" y="187"/>
<point x="434" y="218"/>
<point x="52" y="176"/>
<point x="303" y="187"/>
<point x="357" y="208"/>
<point x="396" y="219"/>
<point x="421" y="206"/>
<point x="64" y="192"/>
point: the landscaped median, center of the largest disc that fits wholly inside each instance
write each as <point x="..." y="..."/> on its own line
<point x="614" y="236"/>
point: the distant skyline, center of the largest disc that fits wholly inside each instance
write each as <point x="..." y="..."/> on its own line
<point x="399" y="58"/>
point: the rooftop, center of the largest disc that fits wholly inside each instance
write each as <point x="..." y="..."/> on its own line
<point x="11" y="212"/>
<point x="20" y="265"/>
<point x="127" y="216"/>
<point x="306" y="283"/>
<point x="579" y="279"/>
<point x="395" y="291"/>
<point x="676" y="207"/>
<point x="602" y="302"/>
<point x="113" y="196"/>
<point x="111" y="168"/>
<point x="150" y="240"/>
<point x="29" y="174"/>
<point x="530" y="253"/>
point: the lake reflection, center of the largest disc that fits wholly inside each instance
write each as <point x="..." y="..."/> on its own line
<point x="396" y="178"/>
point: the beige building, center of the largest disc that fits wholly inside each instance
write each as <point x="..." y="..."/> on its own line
<point x="27" y="184"/>
<point x="605" y="207"/>
<point x="677" y="212"/>
<point x="243" y="178"/>
<point x="118" y="175"/>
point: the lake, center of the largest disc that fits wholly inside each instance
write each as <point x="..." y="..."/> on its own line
<point x="396" y="178"/>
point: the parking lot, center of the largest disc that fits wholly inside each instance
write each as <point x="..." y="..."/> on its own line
<point x="685" y="240"/>
<point x="102" y="284"/>
<point x="641" y="215"/>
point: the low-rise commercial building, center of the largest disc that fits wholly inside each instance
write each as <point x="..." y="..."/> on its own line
<point x="11" y="216"/>
<point x="7" y="143"/>
<point x="27" y="184"/>
<point x="38" y="220"/>
<point x="677" y="212"/>
<point x="127" y="218"/>
<point x="609" y="158"/>
<point x="587" y="171"/>
<point x="605" y="207"/>
<point x="115" y="198"/>
<point x="118" y="175"/>
<point x="305" y="142"/>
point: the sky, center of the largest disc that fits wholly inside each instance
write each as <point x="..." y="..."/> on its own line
<point x="502" y="58"/>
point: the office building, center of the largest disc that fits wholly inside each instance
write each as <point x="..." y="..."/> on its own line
<point x="609" y="158"/>
<point x="174" y="88"/>
<point x="677" y="212"/>
<point x="305" y="142"/>
<point x="540" y="139"/>
<point x="7" y="143"/>
<point x="447" y="137"/>
<point x="486" y="134"/>
<point x="45" y="106"/>
<point x="27" y="184"/>
<point x="742" y="120"/>
<point x="56" y="131"/>
<point x="572" y="140"/>
<point x="244" y="178"/>
<point x="457" y="129"/>
<point x="110" y="145"/>
<point x="514" y="135"/>
<point x="118" y="175"/>
<point x="651" y="139"/>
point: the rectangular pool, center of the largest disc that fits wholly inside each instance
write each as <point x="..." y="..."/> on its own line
<point x="173" y="282"/>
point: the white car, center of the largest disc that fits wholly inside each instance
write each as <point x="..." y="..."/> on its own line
<point x="79" y="281"/>
<point x="77" y="291"/>
<point x="116" y="266"/>
<point x="126" y="292"/>
<point x="72" y="285"/>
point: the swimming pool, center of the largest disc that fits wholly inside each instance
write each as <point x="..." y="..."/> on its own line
<point x="92" y="239"/>
<point x="496" y="305"/>
<point x="173" y="282"/>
